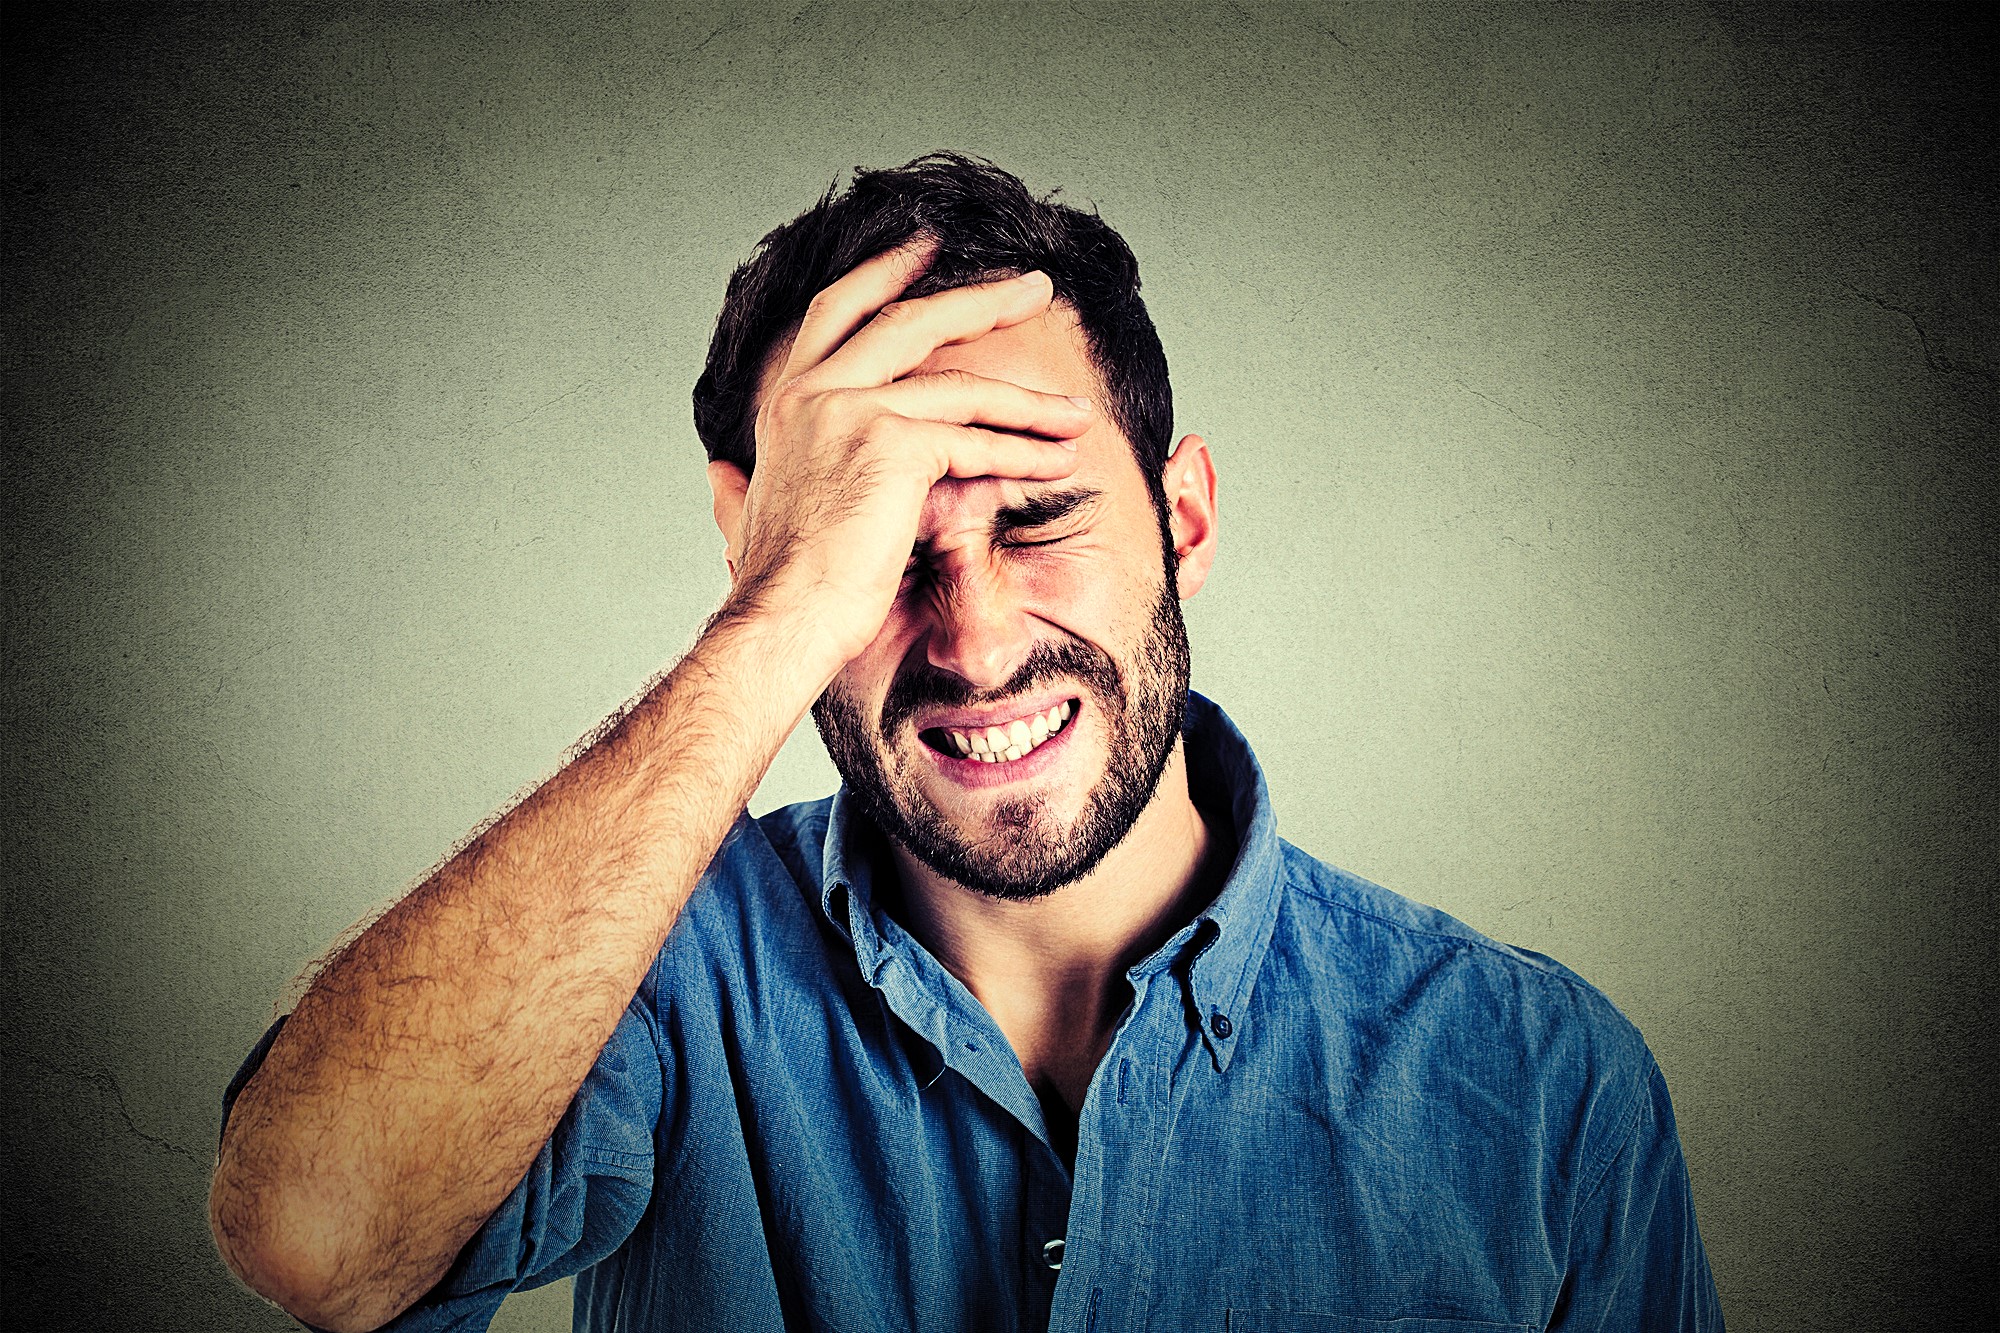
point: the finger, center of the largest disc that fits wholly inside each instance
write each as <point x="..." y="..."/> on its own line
<point x="852" y="299"/>
<point x="962" y="398"/>
<point x="967" y="451"/>
<point x="901" y="335"/>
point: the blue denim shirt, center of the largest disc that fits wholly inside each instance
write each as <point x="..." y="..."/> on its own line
<point x="1326" y="1108"/>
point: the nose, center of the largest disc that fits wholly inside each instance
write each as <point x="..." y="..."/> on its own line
<point x="979" y="631"/>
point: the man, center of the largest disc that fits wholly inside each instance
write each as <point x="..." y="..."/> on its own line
<point x="1037" y="1023"/>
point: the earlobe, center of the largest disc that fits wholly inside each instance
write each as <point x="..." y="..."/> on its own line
<point x="729" y="487"/>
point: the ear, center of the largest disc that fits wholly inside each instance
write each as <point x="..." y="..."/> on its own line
<point x="729" y="486"/>
<point x="1189" y="483"/>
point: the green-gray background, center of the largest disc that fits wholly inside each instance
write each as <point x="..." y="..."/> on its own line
<point x="1602" y="402"/>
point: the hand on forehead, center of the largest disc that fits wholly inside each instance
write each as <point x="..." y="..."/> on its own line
<point x="1047" y="353"/>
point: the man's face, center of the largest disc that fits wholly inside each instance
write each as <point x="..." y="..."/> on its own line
<point x="1012" y="719"/>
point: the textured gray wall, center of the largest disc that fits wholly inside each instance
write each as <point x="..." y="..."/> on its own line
<point x="1602" y="398"/>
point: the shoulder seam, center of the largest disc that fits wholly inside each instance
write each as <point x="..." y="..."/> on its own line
<point x="1472" y="938"/>
<point x="1628" y="1121"/>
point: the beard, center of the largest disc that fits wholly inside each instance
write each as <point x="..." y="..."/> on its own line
<point x="1028" y="850"/>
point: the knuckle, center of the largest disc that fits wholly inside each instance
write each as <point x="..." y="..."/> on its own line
<point x="846" y="404"/>
<point x="780" y="405"/>
<point x="799" y="409"/>
<point x="885" y="431"/>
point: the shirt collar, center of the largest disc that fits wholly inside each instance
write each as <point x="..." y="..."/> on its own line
<point x="847" y="881"/>
<point x="1216" y="956"/>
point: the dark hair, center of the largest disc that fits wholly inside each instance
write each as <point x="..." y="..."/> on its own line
<point x="987" y="226"/>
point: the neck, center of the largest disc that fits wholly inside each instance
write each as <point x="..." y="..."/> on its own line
<point x="1051" y="970"/>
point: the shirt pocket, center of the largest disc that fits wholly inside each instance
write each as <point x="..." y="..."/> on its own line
<point x="1306" y="1321"/>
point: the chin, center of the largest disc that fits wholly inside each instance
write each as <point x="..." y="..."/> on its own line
<point x="1012" y="846"/>
<point x="1018" y="848"/>
<point x="1023" y="832"/>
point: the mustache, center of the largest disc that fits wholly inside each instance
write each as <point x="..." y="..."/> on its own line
<point x="919" y="685"/>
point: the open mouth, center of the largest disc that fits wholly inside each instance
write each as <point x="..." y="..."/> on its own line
<point x="1005" y="742"/>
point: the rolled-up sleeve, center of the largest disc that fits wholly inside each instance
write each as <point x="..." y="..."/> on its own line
<point x="581" y="1197"/>
<point x="1636" y="1258"/>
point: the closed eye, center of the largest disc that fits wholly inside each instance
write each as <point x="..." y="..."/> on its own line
<point x="1039" y="513"/>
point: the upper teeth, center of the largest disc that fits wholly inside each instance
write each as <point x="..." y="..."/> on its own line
<point x="993" y="745"/>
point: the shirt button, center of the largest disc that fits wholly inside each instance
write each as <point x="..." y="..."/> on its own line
<point x="1219" y="1024"/>
<point x="1052" y="1254"/>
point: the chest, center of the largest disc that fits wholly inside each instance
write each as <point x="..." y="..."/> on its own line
<point x="885" y="1175"/>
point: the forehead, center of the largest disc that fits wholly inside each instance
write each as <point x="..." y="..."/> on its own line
<point x="1049" y="354"/>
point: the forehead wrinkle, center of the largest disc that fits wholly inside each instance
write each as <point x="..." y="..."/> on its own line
<point x="958" y="508"/>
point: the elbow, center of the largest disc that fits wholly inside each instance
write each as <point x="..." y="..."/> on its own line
<point x="288" y="1251"/>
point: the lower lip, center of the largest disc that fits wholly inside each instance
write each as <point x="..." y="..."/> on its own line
<point x="978" y="773"/>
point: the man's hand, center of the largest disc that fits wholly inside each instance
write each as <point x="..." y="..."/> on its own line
<point x="849" y="443"/>
<point x="418" y="1077"/>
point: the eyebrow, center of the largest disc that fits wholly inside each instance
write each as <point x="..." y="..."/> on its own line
<point x="1047" y="507"/>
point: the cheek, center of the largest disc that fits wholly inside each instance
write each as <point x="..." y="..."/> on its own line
<point x="1100" y="601"/>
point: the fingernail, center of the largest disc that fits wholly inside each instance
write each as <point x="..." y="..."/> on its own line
<point x="1034" y="277"/>
<point x="1083" y="403"/>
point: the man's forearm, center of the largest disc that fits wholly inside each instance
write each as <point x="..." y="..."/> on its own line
<point x="427" y="1064"/>
<point x="423" y="1070"/>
